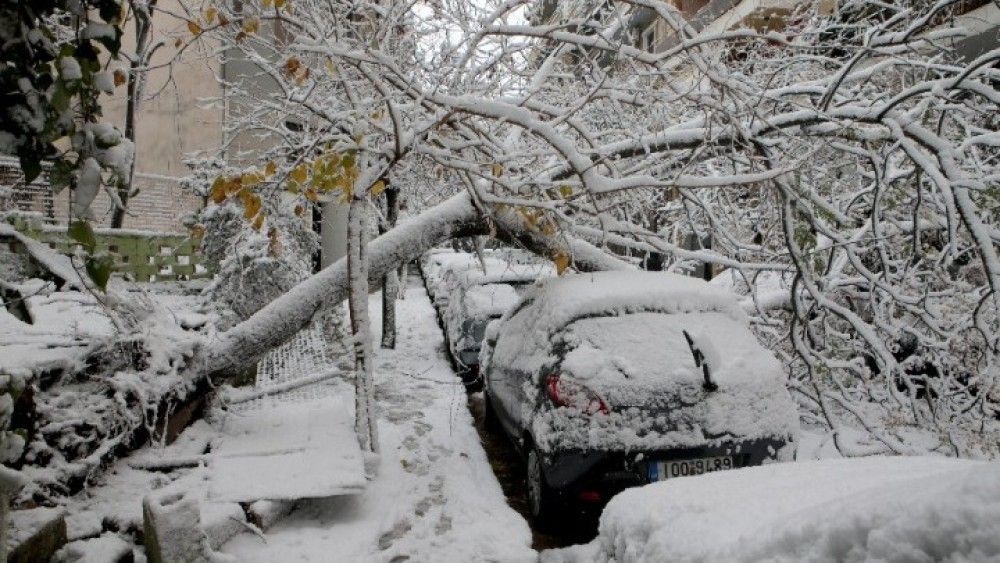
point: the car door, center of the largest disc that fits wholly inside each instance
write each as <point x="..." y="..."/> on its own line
<point x="507" y="382"/>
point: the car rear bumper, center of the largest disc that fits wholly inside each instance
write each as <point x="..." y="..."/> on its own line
<point x="610" y="472"/>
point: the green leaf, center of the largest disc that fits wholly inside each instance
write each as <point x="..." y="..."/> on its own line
<point x="81" y="232"/>
<point x="99" y="270"/>
<point x="60" y="175"/>
<point x="31" y="167"/>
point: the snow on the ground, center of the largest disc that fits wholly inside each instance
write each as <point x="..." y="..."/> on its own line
<point x="868" y="509"/>
<point x="435" y="497"/>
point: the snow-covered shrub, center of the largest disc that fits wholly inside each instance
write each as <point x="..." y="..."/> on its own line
<point x="254" y="266"/>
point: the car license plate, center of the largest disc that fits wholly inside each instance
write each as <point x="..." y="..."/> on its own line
<point x="660" y="470"/>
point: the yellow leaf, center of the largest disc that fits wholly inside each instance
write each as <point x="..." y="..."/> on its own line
<point x="378" y="188"/>
<point x="531" y="216"/>
<point x="279" y="3"/>
<point x="565" y="191"/>
<point x="266" y="3"/>
<point x="561" y="260"/>
<point x="300" y="173"/>
<point x="219" y="190"/>
<point x="250" y="179"/>
<point x="331" y="67"/>
<point x="251" y="25"/>
<point x="194" y="28"/>
<point x="497" y="170"/>
<point x="270" y="169"/>
<point x="234" y="185"/>
<point x="549" y="228"/>
<point x="311" y="195"/>
<point x="210" y="15"/>
<point x="258" y="222"/>
<point x="251" y="205"/>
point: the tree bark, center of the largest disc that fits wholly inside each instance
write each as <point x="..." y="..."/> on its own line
<point x="357" y="268"/>
<point x="143" y="27"/>
<point x="391" y="281"/>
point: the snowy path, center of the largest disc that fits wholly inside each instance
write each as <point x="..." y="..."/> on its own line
<point x="435" y="497"/>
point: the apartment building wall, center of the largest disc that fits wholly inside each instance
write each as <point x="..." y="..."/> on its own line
<point x="172" y="121"/>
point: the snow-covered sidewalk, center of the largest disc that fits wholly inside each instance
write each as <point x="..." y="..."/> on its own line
<point x="435" y="497"/>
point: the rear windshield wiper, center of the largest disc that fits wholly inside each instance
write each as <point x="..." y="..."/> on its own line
<point x="699" y="361"/>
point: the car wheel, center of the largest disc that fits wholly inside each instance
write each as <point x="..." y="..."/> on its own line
<point x="489" y="411"/>
<point x="541" y="497"/>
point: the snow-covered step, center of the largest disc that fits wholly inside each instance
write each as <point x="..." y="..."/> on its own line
<point x="287" y="451"/>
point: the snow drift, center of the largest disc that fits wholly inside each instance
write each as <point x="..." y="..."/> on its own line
<point x="870" y="509"/>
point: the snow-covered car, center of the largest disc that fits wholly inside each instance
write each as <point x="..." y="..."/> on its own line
<point x="868" y="509"/>
<point x="610" y="380"/>
<point x="476" y="299"/>
<point x="454" y="273"/>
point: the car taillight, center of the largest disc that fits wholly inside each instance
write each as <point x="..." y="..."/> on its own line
<point x="567" y="393"/>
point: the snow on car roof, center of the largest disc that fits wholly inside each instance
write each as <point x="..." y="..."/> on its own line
<point x="490" y="299"/>
<point x="502" y="272"/>
<point x="867" y="509"/>
<point x="558" y="301"/>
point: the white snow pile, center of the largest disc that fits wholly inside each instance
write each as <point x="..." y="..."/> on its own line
<point x="764" y="290"/>
<point x="870" y="509"/>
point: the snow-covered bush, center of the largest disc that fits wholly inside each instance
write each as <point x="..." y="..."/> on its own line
<point x="254" y="266"/>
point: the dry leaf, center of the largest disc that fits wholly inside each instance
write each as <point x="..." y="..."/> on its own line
<point x="251" y="26"/>
<point x="251" y="204"/>
<point x="120" y="77"/>
<point x="219" y="190"/>
<point x="561" y="260"/>
<point x="258" y="222"/>
<point x="194" y="28"/>
<point x="270" y="169"/>
<point x="299" y="174"/>
<point x="210" y="15"/>
<point x="378" y="188"/>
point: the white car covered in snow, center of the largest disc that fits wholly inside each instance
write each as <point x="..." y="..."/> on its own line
<point x="617" y="379"/>
<point x="475" y="299"/>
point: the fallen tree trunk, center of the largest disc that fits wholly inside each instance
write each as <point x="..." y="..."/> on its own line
<point x="243" y="345"/>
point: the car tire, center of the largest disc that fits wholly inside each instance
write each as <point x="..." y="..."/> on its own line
<point x="490" y="419"/>
<point x="541" y="498"/>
